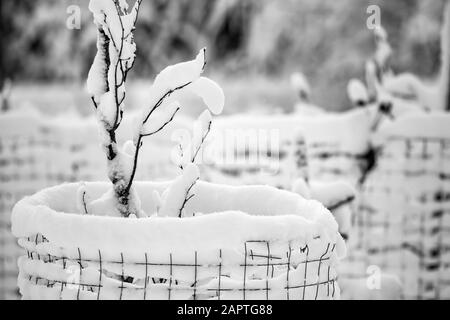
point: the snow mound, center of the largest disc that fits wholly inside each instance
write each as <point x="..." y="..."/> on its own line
<point x="227" y="242"/>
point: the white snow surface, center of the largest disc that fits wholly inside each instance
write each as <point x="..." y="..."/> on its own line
<point x="229" y="216"/>
<point x="426" y="125"/>
<point x="357" y="91"/>
<point x="350" y="130"/>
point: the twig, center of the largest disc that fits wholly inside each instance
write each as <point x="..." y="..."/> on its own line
<point x="163" y="126"/>
<point x="160" y="101"/>
<point x="202" y="142"/>
<point x="83" y="198"/>
<point x="139" y="142"/>
<point x="187" y="198"/>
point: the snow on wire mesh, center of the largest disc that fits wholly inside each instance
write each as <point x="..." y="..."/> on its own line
<point x="73" y="256"/>
<point x="267" y="271"/>
<point x="404" y="224"/>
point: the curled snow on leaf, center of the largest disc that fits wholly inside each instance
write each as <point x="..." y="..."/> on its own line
<point x="210" y="92"/>
<point x="181" y="74"/>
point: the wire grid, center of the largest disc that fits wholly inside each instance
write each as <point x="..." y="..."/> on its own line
<point x="404" y="224"/>
<point x="266" y="273"/>
<point x="329" y="162"/>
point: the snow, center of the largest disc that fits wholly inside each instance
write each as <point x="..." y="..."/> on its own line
<point x="357" y="93"/>
<point x="336" y="195"/>
<point x="432" y="125"/>
<point x="301" y="86"/>
<point x="332" y="193"/>
<point x="211" y="93"/>
<point x="97" y="78"/>
<point x="201" y="129"/>
<point x="384" y="50"/>
<point x="404" y="227"/>
<point x="431" y="95"/>
<point x="175" y="77"/>
<point x="107" y="108"/>
<point x="186" y="76"/>
<point x="160" y="118"/>
<point x="179" y="191"/>
<point x="357" y="289"/>
<point x="349" y="130"/>
<point x="230" y="216"/>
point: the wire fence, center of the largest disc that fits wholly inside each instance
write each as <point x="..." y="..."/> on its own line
<point x="404" y="224"/>
<point x="265" y="271"/>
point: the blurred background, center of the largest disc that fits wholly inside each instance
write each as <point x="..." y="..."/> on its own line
<point x="254" y="46"/>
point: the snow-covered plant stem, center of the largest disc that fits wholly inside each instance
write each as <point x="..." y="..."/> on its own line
<point x="106" y="84"/>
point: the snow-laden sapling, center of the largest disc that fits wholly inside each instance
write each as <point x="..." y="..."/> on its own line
<point x="106" y="84"/>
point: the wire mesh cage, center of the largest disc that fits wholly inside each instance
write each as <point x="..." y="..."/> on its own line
<point x="405" y="222"/>
<point x="168" y="258"/>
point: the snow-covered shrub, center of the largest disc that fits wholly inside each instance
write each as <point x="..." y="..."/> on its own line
<point x="106" y="84"/>
<point x="405" y="201"/>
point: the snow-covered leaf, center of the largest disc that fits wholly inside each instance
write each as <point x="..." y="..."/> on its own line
<point x="178" y="75"/>
<point x="211" y="93"/>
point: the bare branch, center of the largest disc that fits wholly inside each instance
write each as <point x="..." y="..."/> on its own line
<point x="160" y="101"/>
<point x="163" y="126"/>
<point x="83" y="198"/>
<point x="95" y="103"/>
<point x="139" y="145"/>
<point x="187" y="197"/>
<point x="202" y="142"/>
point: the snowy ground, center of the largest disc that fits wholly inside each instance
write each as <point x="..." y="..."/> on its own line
<point x="254" y="94"/>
